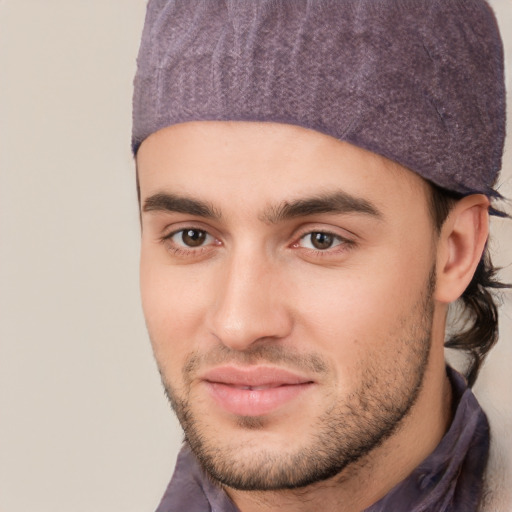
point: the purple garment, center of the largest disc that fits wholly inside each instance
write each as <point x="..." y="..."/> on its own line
<point x="419" y="82"/>
<point x="448" y="480"/>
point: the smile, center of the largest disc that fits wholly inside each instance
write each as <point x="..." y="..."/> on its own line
<point x="254" y="391"/>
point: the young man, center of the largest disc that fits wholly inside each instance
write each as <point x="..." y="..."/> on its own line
<point x="315" y="180"/>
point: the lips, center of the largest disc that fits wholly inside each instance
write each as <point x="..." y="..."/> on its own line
<point x="254" y="391"/>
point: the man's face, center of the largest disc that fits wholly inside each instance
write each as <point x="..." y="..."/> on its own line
<point x="287" y="287"/>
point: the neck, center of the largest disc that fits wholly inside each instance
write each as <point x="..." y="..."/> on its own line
<point x="365" y="482"/>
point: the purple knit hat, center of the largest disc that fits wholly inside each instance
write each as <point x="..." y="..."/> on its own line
<point x="417" y="81"/>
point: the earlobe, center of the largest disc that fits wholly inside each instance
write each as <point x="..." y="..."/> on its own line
<point x="461" y="245"/>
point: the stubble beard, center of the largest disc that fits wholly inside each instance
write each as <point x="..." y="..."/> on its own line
<point x="342" y="435"/>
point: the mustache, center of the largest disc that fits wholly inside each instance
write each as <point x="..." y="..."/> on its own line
<point x="258" y="354"/>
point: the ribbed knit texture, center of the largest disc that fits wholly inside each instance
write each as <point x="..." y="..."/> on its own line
<point x="418" y="81"/>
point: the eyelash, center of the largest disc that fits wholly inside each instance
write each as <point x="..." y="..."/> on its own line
<point x="343" y="245"/>
<point x="183" y="250"/>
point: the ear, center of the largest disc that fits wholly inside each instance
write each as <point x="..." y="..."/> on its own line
<point x="461" y="245"/>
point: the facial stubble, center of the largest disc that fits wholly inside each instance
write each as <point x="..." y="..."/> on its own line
<point x="343" y="434"/>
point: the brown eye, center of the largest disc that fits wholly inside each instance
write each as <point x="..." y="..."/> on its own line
<point x="193" y="237"/>
<point x="320" y="240"/>
<point x="189" y="241"/>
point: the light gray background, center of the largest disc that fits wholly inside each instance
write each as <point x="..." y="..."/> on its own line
<point x="84" y="425"/>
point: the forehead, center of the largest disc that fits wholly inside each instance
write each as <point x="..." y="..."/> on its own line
<point x="252" y="164"/>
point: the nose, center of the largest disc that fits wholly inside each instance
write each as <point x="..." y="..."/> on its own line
<point x="250" y="305"/>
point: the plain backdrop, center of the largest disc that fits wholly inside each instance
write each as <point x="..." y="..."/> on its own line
<point x="84" y="425"/>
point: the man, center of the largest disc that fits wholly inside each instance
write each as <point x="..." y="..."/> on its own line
<point x="315" y="181"/>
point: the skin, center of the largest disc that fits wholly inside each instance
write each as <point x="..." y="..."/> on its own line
<point x="362" y="319"/>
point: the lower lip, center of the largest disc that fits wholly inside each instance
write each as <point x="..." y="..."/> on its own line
<point x="254" y="402"/>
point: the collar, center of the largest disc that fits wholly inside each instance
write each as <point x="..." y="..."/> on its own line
<point x="450" y="479"/>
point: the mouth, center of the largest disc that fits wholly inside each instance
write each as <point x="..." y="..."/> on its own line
<point x="254" y="391"/>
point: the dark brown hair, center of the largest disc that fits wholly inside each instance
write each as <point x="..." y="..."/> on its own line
<point x="477" y="308"/>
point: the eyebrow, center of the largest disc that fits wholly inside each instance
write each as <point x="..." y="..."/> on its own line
<point x="178" y="204"/>
<point x="332" y="203"/>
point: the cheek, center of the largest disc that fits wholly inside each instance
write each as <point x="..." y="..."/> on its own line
<point x="173" y="306"/>
<point x="364" y="311"/>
